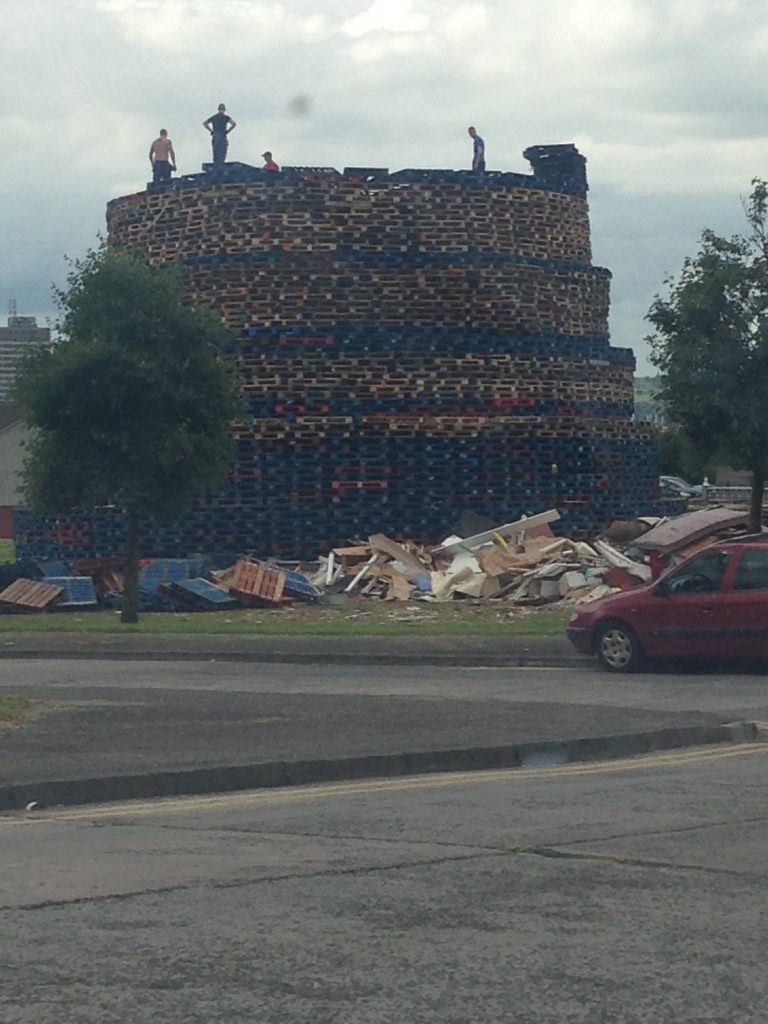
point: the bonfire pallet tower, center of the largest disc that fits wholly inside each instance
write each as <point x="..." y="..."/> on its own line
<point x="409" y="345"/>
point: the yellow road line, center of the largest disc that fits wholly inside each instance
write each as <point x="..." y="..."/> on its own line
<point x="443" y="780"/>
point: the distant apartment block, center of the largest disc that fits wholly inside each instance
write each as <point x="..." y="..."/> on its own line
<point x="16" y="340"/>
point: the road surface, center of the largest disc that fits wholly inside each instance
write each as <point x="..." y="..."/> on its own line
<point x="619" y="893"/>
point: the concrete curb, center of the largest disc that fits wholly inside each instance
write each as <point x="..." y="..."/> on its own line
<point x="511" y="660"/>
<point x="231" y="778"/>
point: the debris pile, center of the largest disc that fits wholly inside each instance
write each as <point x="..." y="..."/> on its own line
<point x="521" y="562"/>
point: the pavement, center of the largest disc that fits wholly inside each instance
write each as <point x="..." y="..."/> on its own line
<point x="102" y="742"/>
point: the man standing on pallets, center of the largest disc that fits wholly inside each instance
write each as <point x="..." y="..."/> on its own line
<point x="162" y="158"/>
<point x="219" y="125"/>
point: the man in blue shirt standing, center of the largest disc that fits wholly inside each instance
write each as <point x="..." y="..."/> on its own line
<point x="219" y="125"/>
<point x="478" y="151"/>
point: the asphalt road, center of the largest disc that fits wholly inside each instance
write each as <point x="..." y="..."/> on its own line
<point x="736" y="693"/>
<point x="618" y="893"/>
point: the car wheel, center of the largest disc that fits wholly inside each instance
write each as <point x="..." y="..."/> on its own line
<point x="617" y="647"/>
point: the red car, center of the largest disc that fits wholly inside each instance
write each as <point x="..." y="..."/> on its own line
<point x="713" y="605"/>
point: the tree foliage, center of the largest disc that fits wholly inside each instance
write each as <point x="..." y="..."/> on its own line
<point x="131" y="407"/>
<point x="679" y="457"/>
<point x="711" y="346"/>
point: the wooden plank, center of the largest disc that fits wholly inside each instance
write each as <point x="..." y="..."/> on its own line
<point x="256" y="581"/>
<point x="385" y="546"/>
<point x="368" y="565"/>
<point x="30" y="594"/>
<point x="671" y="534"/>
<point x="506" y="530"/>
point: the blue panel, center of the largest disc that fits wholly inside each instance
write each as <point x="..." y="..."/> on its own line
<point x="207" y="592"/>
<point x="54" y="569"/>
<point x="298" y="586"/>
<point x="168" y="570"/>
<point x="78" y="590"/>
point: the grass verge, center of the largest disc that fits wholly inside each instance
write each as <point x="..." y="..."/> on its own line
<point x="13" y="709"/>
<point x="303" y="620"/>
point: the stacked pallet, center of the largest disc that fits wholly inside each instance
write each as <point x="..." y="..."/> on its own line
<point x="409" y="345"/>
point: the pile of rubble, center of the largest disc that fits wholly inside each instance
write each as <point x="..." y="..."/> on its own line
<point x="522" y="563"/>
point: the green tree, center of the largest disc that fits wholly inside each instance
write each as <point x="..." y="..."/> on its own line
<point x="131" y="407"/>
<point x="711" y="346"/>
<point x="678" y="457"/>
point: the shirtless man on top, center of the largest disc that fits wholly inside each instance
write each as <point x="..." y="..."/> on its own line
<point x="162" y="158"/>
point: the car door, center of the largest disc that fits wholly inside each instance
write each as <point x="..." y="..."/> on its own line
<point x="688" y="610"/>
<point x="746" y="605"/>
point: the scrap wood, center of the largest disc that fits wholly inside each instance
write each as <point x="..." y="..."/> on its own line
<point x="373" y="560"/>
<point x="357" y="551"/>
<point x="551" y="571"/>
<point x="461" y="561"/>
<point x="548" y="550"/>
<point x="541" y="532"/>
<point x="382" y="544"/>
<point x="495" y="563"/>
<point x="521" y="587"/>
<point x="506" y="530"/>
<point x="444" y="587"/>
<point x="672" y="534"/>
<point x="479" y="585"/>
<point x="621" y="579"/>
<point x="224" y="577"/>
<point x="108" y="581"/>
<point x="399" y="587"/>
<point x="586" y="552"/>
<point x="618" y="558"/>
<point x="30" y="594"/>
<point x="254" y="581"/>
<point x="349" y="558"/>
<point x="694" y="548"/>
<point x="571" y="581"/>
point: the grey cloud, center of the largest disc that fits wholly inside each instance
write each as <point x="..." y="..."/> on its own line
<point x="667" y="100"/>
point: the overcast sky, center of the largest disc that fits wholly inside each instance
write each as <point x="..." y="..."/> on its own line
<point x="667" y="99"/>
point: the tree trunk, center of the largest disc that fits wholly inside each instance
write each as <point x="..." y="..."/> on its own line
<point x="130" y="613"/>
<point x="756" y="502"/>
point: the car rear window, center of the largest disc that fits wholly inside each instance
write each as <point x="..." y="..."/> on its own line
<point x="752" y="570"/>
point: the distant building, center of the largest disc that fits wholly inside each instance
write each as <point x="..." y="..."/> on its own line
<point x="16" y="339"/>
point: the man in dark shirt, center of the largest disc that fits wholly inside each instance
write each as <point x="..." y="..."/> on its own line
<point x="219" y="125"/>
<point x="478" y="151"/>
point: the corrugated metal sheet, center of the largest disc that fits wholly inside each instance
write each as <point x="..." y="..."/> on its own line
<point x="30" y="594"/>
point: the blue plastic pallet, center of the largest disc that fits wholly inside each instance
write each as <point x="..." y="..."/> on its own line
<point x="78" y="591"/>
<point x="204" y="591"/>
